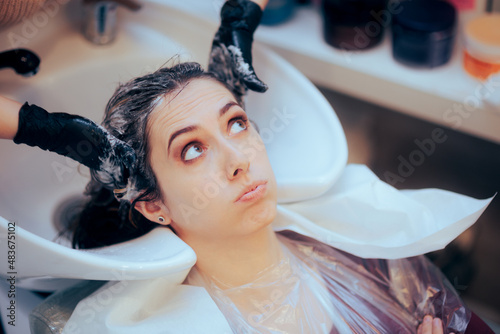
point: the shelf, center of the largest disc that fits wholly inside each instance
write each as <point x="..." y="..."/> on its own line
<point x="446" y="95"/>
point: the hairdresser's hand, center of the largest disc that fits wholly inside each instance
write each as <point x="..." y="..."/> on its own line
<point x="431" y="326"/>
<point x="76" y="137"/>
<point x="233" y="43"/>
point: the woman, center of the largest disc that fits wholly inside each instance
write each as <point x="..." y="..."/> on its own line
<point x="172" y="132"/>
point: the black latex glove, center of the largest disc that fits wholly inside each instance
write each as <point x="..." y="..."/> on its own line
<point x="231" y="56"/>
<point x="77" y="138"/>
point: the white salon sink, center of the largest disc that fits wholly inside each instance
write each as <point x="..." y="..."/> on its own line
<point x="303" y="136"/>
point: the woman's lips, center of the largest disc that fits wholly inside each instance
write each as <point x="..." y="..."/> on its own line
<point x="252" y="192"/>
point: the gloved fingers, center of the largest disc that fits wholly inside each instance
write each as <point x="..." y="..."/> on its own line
<point x="222" y="66"/>
<point x="233" y="41"/>
<point x="124" y="153"/>
<point x="254" y="83"/>
<point x="242" y="63"/>
<point x="116" y="159"/>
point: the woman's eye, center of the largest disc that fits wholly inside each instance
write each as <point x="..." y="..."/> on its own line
<point x="238" y="126"/>
<point x="192" y="152"/>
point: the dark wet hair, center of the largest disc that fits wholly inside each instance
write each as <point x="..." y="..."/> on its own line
<point x="104" y="220"/>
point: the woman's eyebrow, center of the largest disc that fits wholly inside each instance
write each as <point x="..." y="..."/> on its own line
<point x="191" y="128"/>
<point x="179" y="132"/>
<point x="228" y="106"/>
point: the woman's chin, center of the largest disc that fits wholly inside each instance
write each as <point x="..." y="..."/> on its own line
<point x="261" y="216"/>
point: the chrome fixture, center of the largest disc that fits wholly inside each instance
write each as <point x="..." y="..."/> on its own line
<point x="23" y="61"/>
<point x="99" y="23"/>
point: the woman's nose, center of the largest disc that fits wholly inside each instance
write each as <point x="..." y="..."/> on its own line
<point x="237" y="163"/>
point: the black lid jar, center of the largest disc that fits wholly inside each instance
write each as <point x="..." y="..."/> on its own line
<point x="354" y="24"/>
<point x="423" y="33"/>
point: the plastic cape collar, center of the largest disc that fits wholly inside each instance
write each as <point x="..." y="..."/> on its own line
<point x="365" y="216"/>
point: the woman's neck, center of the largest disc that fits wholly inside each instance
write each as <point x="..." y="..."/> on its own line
<point x="238" y="261"/>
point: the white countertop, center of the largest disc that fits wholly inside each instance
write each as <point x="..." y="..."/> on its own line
<point x="445" y="95"/>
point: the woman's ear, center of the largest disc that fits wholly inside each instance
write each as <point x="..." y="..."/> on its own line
<point x="155" y="211"/>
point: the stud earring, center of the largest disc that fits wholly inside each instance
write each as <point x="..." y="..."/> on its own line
<point x="161" y="219"/>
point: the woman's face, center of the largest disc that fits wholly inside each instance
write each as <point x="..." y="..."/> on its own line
<point x="205" y="155"/>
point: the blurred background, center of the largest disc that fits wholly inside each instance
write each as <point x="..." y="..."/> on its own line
<point x="377" y="136"/>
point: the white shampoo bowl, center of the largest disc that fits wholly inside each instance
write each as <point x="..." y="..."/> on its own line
<point x="303" y="137"/>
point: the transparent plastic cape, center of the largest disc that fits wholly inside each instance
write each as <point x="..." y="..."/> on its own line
<point x="318" y="289"/>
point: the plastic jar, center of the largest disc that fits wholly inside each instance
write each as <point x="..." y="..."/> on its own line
<point x="423" y="33"/>
<point x="354" y="24"/>
<point x="482" y="46"/>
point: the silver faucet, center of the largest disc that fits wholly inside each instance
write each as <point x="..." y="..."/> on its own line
<point x="99" y="23"/>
